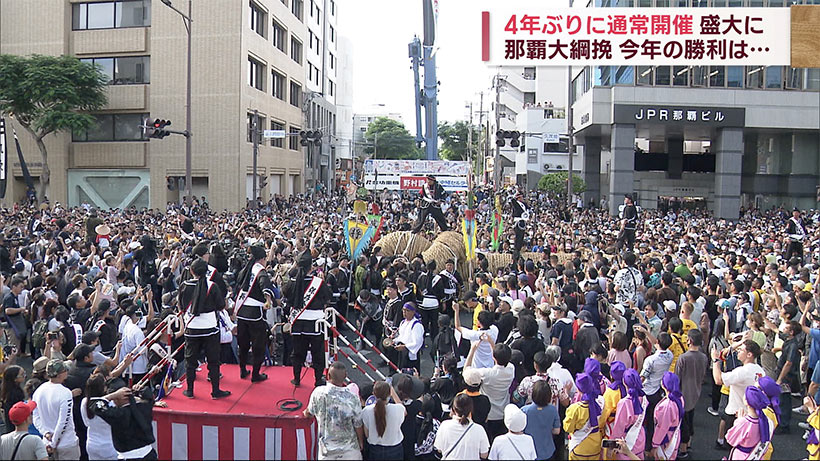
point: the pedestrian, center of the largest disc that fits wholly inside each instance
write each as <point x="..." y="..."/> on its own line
<point x="495" y="384"/>
<point x="11" y="392"/>
<point x="19" y="444"/>
<point x="582" y="421"/>
<point x="749" y="437"/>
<point x="99" y="444"/>
<point x="667" y="420"/>
<point x="654" y="368"/>
<point x="515" y="444"/>
<point x="480" y="402"/>
<point x="543" y="422"/>
<point x="382" y="422"/>
<point x="691" y="369"/>
<point x="54" y="413"/>
<point x="738" y="379"/>
<point x="459" y="438"/>
<point x="129" y="412"/>
<point x="630" y="414"/>
<point x="339" y="417"/>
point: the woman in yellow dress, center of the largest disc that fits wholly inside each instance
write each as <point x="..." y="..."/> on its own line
<point x="582" y="421"/>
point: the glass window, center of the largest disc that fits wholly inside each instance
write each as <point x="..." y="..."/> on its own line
<point x="754" y="76"/>
<point x="131" y="70"/>
<point x="127" y="127"/>
<point x="699" y="3"/>
<point x="332" y="8"/>
<point x="296" y="7"/>
<point x="682" y="3"/>
<point x="103" y="130"/>
<point x="645" y="3"/>
<point x="718" y="3"/>
<point x="663" y="75"/>
<point x="280" y="36"/>
<point x="295" y="94"/>
<point x="256" y="77"/>
<point x="717" y="76"/>
<point x="813" y="79"/>
<point x="755" y="3"/>
<point x="114" y="127"/>
<point x="645" y="74"/>
<point x="734" y="76"/>
<point x="735" y="3"/>
<point x="277" y="142"/>
<point x="794" y="78"/>
<point x="603" y="76"/>
<point x="296" y="50"/>
<point x="79" y="16"/>
<point x="700" y="75"/>
<point x="625" y="75"/>
<point x="774" y="77"/>
<point x="662" y="3"/>
<point x="132" y="14"/>
<point x="681" y="76"/>
<point x="106" y="65"/>
<point x="100" y="15"/>
<point x="257" y="19"/>
<point x="278" y="85"/>
<point x="587" y="78"/>
<point x="293" y="139"/>
<point x="332" y="34"/>
<point x="775" y="3"/>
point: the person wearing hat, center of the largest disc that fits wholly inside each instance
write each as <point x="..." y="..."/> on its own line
<point x="797" y="232"/>
<point x="582" y="420"/>
<point x="53" y="414"/>
<point x="307" y="296"/>
<point x="750" y="434"/>
<point x="430" y="204"/>
<point x="254" y="297"/>
<point x="515" y="444"/>
<point x="204" y="300"/>
<point x="17" y="444"/>
<point x="521" y="214"/>
<point x="102" y="237"/>
<point x="628" y="214"/>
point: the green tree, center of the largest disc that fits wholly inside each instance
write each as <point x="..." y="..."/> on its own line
<point x="454" y="139"/>
<point x="389" y="139"/>
<point x="50" y="94"/>
<point x="556" y="183"/>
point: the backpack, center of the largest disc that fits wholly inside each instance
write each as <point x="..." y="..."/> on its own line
<point x="38" y="333"/>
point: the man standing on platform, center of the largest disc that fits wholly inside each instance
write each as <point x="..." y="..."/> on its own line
<point x="203" y="299"/>
<point x="520" y="214"/>
<point x="430" y="197"/>
<point x="629" y="224"/>
<point x="255" y="296"/>
<point x="307" y="296"/>
<point x="796" y="229"/>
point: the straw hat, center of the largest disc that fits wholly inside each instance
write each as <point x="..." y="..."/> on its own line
<point x="102" y="229"/>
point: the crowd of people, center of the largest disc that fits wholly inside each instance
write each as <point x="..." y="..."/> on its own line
<point x="595" y="342"/>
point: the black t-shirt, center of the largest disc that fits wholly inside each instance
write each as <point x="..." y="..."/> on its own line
<point x="529" y="347"/>
<point x="562" y="330"/>
<point x="408" y="428"/>
<point x="187" y="226"/>
<point x="481" y="409"/>
<point x="505" y="324"/>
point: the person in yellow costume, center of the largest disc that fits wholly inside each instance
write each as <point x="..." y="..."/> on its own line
<point x="813" y="442"/>
<point x="678" y="346"/>
<point x="613" y="394"/>
<point x="583" y="419"/>
<point x="772" y="390"/>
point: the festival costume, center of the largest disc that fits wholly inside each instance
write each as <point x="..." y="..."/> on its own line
<point x="582" y="421"/>
<point x="430" y="198"/>
<point x="520" y="217"/>
<point x="251" y="327"/>
<point x="628" y="424"/>
<point x="813" y="442"/>
<point x="668" y="417"/>
<point x="750" y="436"/>
<point x="797" y="233"/>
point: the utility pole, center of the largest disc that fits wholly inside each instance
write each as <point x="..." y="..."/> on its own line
<point x="255" y="140"/>
<point x="570" y="146"/>
<point x="497" y="161"/>
<point x="470" y="136"/>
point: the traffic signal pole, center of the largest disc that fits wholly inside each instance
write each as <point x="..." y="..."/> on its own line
<point x="188" y="178"/>
<point x="497" y="161"/>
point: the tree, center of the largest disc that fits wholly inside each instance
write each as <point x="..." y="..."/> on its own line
<point x="389" y="139"/>
<point x="50" y="94"/>
<point x="556" y="183"/>
<point x="454" y="140"/>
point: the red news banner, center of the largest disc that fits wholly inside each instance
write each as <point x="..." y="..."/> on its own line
<point x="537" y="35"/>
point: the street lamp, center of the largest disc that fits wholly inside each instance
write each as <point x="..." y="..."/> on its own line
<point x="186" y="19"/>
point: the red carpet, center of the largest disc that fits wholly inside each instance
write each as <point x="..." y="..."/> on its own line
<point x="246" y="425"/>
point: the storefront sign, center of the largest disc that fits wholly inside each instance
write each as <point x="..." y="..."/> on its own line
<point x="416" y="167"/>
<point x="714" y="116"/>
<point x="398" y="182"/>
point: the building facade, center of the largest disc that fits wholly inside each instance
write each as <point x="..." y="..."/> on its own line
<point x="247" y="56"/>
<point x="722" y="137"/>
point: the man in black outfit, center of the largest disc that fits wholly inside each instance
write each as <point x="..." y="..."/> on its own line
<point x="629" y="223"/>
<point x="520" y="216"/>
<point x="307" y="295"/>
<point x="430" y="196"/>
<point x="255" y="296"/>
<point x="130" y="420"/>
<point x="203" y="299"/>
<point x="6" y="267"/>
<point x="796" y="229"/>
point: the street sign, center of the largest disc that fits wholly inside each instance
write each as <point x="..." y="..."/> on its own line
<point x="276" y="134"/>
<point x="552" y="138"/>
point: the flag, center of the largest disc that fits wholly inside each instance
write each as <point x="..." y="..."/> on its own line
<point x="26" y="175"/>
<point x="357" y="237"/>
<point x="359" y="207"/>
<point x="3" y="158"/>
<point x="498" y="225"/>
<point x="376" y="222"/>
<point x="468" y="229"/>
<point x="167" y="382"/>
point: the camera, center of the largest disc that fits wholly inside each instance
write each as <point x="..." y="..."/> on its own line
<point x="51" y="335"/>
<point x="9" y="350"/>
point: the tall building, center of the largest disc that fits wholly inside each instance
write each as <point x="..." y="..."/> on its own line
<point x="344" y="100"/>
<point x="362" y="121"/>
<point x="720" y="137"/>
<point x="321" y="62"/>
<point x="247" y="56"/>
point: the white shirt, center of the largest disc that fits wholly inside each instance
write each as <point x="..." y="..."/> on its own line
<point x="411" y="334"/>
<point x="484" y="354"/>
<point x="226" y="327"/>
<point x="564" y="378"/>
<point x="99" y="443"/>
<point x="513" y="446"/>
<point x="471" y="446"/>
<point x="392" y="431"/>
<point x="738" y="380"/>
<point x="132" y="336"/>
<point x="54" y="414"/>
<point x="495" y="384"/>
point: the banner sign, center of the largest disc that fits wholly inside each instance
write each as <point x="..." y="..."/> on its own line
<point x="670" y="115"/>
<point x="535" y="34"/>
<point x="416" y="168"/>
<point x="396" y="182"/>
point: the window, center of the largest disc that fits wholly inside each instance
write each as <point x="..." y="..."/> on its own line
<point x="331" y="87"/>
<point x="312" y="7"/>
<point x="114" y="127"/>
<point x="603" y="76"/>
<point x="754" y="76"/>
<point x="332" y="8"/>
<point x="734" y="76"/>
<point x="717" y="76"/>
<point x="310" y="39"/>
<point x="111" y="15"/>
<point x="123" y="71"/>
<point x="280" y="37"/>
<point x="296" y="7"/>
<point x="257" y="19"/>
<point x="813" y="79"/>
<point x="256" y="75"/>
<point x="310" y="71"/>
<point x="332" y="61"/>
<point x="663" y="75"/>
<point x="529" y="73"/>
<point x="681" y="76"/>
<point x="295" y="94"/>
<point x="332" y="34"/>
<point x="293" y="138"/>
<point x="699" y="75"/>
<point x="624" y="75"/>
<point x="296" y="50"/>
<point x="645" y="75"/>
<point x="277" y="81"/>
<point x="774" y="77"/>
<point x="277" y="142"/>
<point x="794" y="78"/>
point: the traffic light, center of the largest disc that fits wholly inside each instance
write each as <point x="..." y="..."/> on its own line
<point x="157" y="129"/>
<point x="308" y="137"/>
<point x="502" y="135"/>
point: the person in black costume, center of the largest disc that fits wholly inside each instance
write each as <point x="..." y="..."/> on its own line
<point x="629" y="223"/>
<point x="307" y="295"/>
<point x="203" y="299"/>
<point x="796" y="229"/>
<point x="430" y="197"/>
<point x="130" y="420"/>
<point x="255" y="294"/>
<point x="520" y="214"/>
